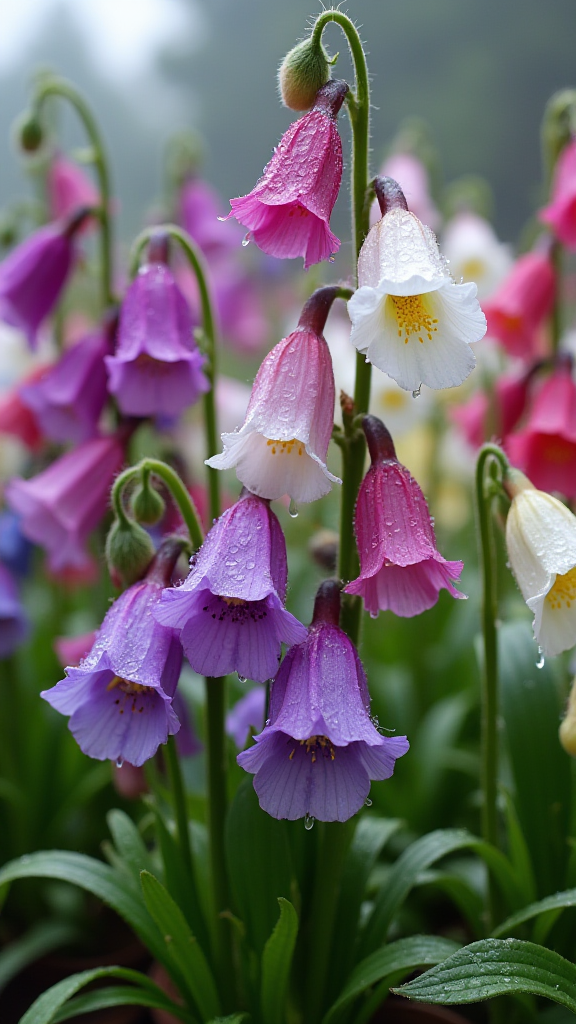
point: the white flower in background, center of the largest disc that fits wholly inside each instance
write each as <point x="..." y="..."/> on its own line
<point x="541" y="542"/>
<point x="409" y="318"/>
<point x="474" y="252"/>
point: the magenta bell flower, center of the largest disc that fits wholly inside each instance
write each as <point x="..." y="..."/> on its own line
<point x="157" y="367"/>
<point x="401" y="568"/>
<point x="68" y="400"/>
<point x="13" y="621"/>
<point x="33" y="275"/>
<point x="200" y="213"/>
<point x="69" y="187"/>
<point x="120" y="696"/>
<point x="288" y="211"/>
<point x="63" y="504"/>
<point x="319" y="750"/>
<point x="230" y="609"/>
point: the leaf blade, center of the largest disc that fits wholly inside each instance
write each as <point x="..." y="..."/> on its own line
<point x="277" y="962"/>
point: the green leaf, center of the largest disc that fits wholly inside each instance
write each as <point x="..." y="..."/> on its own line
<point x="402" y="957"/>
<point x="419" y="856"/>
<point x="94" y="876"/>
<point x="496" y="967"/>
<point x="558" y="901"/>
<point x="467" y="899"/>
<point x="46" y="1008"/>
<point x="519" y="852"/>
<point x="177" y="880"/>
<point x="129" y="843"/>
<point x="120" y="995"/>
<point x="41" y="939"/>
<point x="232" y="1018"/>
<point x="258" y="859"/>
<point x="276" y="964"/>
<point x="182" y="946"/>
<point x="531" y="708"/>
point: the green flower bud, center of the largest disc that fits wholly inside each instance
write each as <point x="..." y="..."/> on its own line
<point x="147" y="505"/>
<point x="129" y="552"/>
<point x="304" y="71"/>
<point x="29" y="134"/>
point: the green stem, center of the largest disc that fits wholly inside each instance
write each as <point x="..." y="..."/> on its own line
<point x="63" y="89"/>
<point x="174" y="485"/>
<point x="556" y="259"/>
<point x="489" y="742"/>
<point x="180" y="805"/>
<point x="216" y="755"/>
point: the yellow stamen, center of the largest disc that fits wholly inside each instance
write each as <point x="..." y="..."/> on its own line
<point x="234" y="601"/>
<point x="564" y="591"/>
<point x="127" y="686"/>
<point x="285" y="446"/>
<point x="412" y="317"/>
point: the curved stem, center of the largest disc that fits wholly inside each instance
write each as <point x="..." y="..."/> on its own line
<point x="174" y="485"/>
<point x="489" y="753"/>
<point x="180" y="808"/>
<point x="63" y="89"/>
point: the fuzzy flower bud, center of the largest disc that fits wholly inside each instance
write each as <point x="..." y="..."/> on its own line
<point x="148" y="506"/>
<point x="29" y="134"/>
<point x="304" y="70"/>
<point x="567" y="730"/>
<point x="129" y="551"/>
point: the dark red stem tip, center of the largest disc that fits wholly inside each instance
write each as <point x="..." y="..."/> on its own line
<point x="158" y="247"/>
<point x="380" y="443"/>
<point x="389" y="195"/>
<point x="331" y="97"/>
<point x="327" y="603"/>
<point x="315" y="312"/>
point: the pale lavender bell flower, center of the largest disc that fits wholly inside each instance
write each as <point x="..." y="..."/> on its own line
<point x="230" y="609"/>
<point x="246" y="714"/>
<point x="317" y="754"/>
<point x="120" y="696"/>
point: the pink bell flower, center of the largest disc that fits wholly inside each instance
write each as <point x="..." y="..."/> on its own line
<point x="281" y="447"/>
<point x="401" y="568"/>
<point x="17" y="419"/>
<point x="545" y="450"/>
<point x="63" y="504"/>
<point x="517" y="310"/>
<point x="200" y="214"/>
<point x="288" y="211"/>
<point x="560" y="214"/>
<point x="69" y="188"/>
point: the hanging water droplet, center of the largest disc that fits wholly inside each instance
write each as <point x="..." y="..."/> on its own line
<point x="119" y="762"/>
<point x="241" y="679"/>
<point x="308" y="822"/>
<point x="540" y="662"/>
<point x="222" y="219"/>
<point x="331" y="259"/>
<point x="292" y="510"/>
<point x="416" y="394"/>
<point x="246" y="240"/>
<point x="367" y="802"/>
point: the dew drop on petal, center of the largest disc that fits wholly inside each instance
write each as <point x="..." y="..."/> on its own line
<point x="292" y="510"/>
<point x="308" y="822"/>
<point x="119" y="762"/>
<point x="246" y="240"/>
<point x="540" y="662"/>
<point x="416" y="394"/>
<point x="367" y="802"/>
<point x="241" y="679"/>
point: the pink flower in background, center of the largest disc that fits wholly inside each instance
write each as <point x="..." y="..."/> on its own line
<point x="288" y="211"/>
<point x="560" y="213"/>
<point x="17" y="419"/>
<point x="69" y="189"/>
<point x="400" y="567"/>
<point x="521" y="304"/>
<point x="496" y="415"/>
<point x="200" y="214"/>
<point x="545" y="450"/>
<point x="71" y="649"/>
<point x="412" y="176"/>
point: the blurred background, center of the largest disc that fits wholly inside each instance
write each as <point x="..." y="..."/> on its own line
<point x="479" y="75"/>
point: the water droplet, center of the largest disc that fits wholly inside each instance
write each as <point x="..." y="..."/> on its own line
<point x="367" y="802"/>
<point x="308" y="822"/>
<point x="416" y="394"/>
<point x="246" y="240"/>
<point x="331" y="259"/>
<point x="540" y="662"/>
<point x="119" y="762"/>
<point x="241" y="679"/>
<point x="292" y="510"/>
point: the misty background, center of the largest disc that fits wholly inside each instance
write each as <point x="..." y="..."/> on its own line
<point x="478" y="73"/>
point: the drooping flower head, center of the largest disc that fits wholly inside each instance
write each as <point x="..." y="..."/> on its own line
<point x="560" y="213"/>
<point x="69" y="188"/>
<point x="320" y="749"/>
<point x="401" y="568"/>
<point x="288" y="211"/>
<point x="518" y="309"/>
<point x="281" y="447"/>
<point x="63" y="504"/>
<point x="541" y="543"/>
<point x="33" y="275"/>
<point x="157" y="366"/>
<point x="546" y="448"/>
<point x="230" y="609"/>
<point x="120" y="696"/>
<point x="408" y="316"/>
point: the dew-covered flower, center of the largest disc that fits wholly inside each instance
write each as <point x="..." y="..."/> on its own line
<point x="560" y="214"/>
<point x="409" y="318"/>
<point x="120" y="696"/>
<point x="281" y="447"/>
<point x="288" y="211"/>
<point x="401" y="568"/>
<point x="541" y="543"/>
<point x="157" y="367"/>
<point x="516" y="312"/>
<point x="319" y="750"/>
<point x="230" y="609"/>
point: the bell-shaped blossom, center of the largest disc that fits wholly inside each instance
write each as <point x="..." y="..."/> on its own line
<point x="120" y="696"/>
<point x="69" y="188"/>
<point x="408" y="316"/>
<point x="475" y="253"/>
<point x="33" y="275"/>
<point x="157" y="366"/>
<point x="546" y="447"/>
<point x="230" y="609"/>
<point x="541" y="543"/>
<point x="412" y="176"/>
<point x="247" y="713"/>
<point x="560" y="214"/>
<point x="68" y="398"/>
<point x="16" y="417"/>
<point x="281" y="447"/>
<point x="200" y="214"/>
<point x="13" y="621"/>
<point x="288" y="211"/>
<point x="319" y="750"/>
<point x="493" y="415"/>
<point x="62" y="504"/>
<point x="401" y="568"/>
<point x="516" y="312"/>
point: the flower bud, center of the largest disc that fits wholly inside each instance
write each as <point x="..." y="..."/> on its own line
<point x="30" y="135"/>
<point x="147" y="505"/>
<point x="129" y="551"/>
<point x="304" y="71"/>
<point x="567" y="731"/>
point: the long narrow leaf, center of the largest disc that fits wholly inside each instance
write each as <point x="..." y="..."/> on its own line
<point x="41" y="939"/>
<point x="276" y="964"/>
<point x="129" y="843"/>
<point x="120" y="995"/>
<point x="558" y="901"/>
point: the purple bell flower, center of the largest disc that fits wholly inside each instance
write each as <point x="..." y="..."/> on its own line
<point x="247" y="713"/>
<point x="320" y="750"/>
<point x="120" y="696"/>
<point x="230" y="609"/>
<point x="157" y="367"/>
<point x="13" y="622"/>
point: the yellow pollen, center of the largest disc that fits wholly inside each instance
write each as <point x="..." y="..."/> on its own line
<point x="127" y="686"/>
<point x="563" y="592"/>
<point x="234" y="601"/>
<point x="286" y="446"/>
<point x="412" y="317"/>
